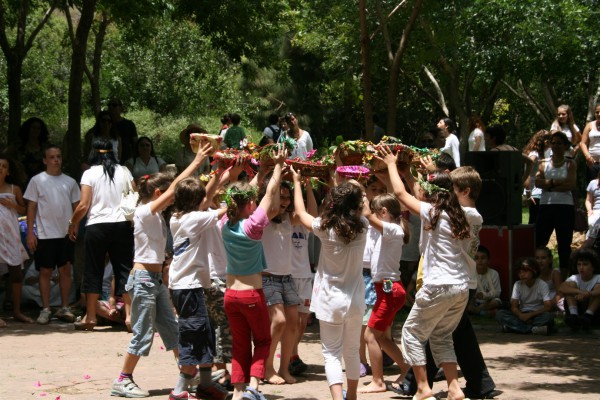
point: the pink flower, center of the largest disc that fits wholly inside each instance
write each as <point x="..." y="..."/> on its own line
<point x="311" y="153"/>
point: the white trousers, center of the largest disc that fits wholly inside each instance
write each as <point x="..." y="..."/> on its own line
<point x="341" y="340"/>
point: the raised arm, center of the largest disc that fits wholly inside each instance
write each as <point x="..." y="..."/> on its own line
<point x="304" y="218"/>
<point x="270" y="201"/>
<point x="410" y="202"/>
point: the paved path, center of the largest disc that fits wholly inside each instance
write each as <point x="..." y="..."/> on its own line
<point x="55" y="362"/>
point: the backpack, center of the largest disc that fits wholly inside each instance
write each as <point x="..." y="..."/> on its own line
<point x="276" y="132"/>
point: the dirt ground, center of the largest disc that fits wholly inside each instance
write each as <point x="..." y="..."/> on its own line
<point x="54" y="362"/>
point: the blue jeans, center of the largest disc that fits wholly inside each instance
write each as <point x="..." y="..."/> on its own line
<point x="506" y="317"/>
<point x="150" y="307"/>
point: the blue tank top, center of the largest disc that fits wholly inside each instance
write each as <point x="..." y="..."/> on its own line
<point x="245" y="256"/>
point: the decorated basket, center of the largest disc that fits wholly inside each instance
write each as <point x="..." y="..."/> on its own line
<point x="198" y="140"/>
<point x="353" y="171"/>
<point x="309" y="168"/>
<point x="226" y="158"/>
<point x="355" y="152"/>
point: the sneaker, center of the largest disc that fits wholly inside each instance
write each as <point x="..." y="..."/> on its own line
<point x="540" y="330"/>
<point x="182" y="395"/>
<point x="297" y="367"/>
<point x="44" y="317"/>
<point x="127" y="388"/>
<point x="65" y="314"/>
<point x="213" y="392"/>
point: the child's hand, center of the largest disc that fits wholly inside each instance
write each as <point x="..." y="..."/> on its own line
<point x="280" y="155"/>
<point x="204" y="152"/>
<point x="428" y="164"/>
<point x="236" y="169"/>
<point x="31" y="242"/>
<point x="295" y="175"/>
<point x="386" y="155"/>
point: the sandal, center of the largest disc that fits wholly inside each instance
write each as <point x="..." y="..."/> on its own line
<point x="257" y="395"/>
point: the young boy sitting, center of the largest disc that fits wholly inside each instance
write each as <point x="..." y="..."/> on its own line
<point x="582" y="291"/>
<point x="531" y="302"/>
<point x="52" y="196"/>
<point x="487" y="298"/>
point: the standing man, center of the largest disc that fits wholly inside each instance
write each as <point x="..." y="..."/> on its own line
<point x="123" y="128"/>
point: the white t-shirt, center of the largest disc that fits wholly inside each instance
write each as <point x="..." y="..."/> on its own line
<point x="304" y="144"/>
<point x="217" y="258"/>
<point x="531" y="298"/>
<point x="141" y="169"/>
<point x="566" y="129"/>
<point x="476" y="133"/>
<point x="451" y="147"/>
<point x="149" y="235"/>
<point x="594" y="190"/>
<point x="190" y="266"/>
<point x="550" y="172"/>
<point x="488" y="284"/>
<point x="535" y="191"/>
<point x="300" y="258"/>
<point x="445" y="261"/>
<point x="372" y="235"/>
<point x="54" y="196"/>
<point x="594" y="135"/>
<point x="470" y="245"/>
<point x="410" y="251"/>
<point x="339" y="289"/>
<point x="277" y="245"/>
<point x="385" y="260"/>
<point x="106" y="195"/>
<point x="584" y="285"/>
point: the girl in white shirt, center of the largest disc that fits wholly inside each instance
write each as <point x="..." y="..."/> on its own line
<point x="440" y="303"/>
<point x="392" y="234"/>
<point x="150" y="302"/>
<point x="476" y="127"/>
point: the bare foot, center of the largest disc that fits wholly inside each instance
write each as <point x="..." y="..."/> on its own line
<point x="22" y="317"/>
<point x="420" y="396"/>
<point x="2" y="323"/>
<point x="372" y="388"/>
<point x="274" y="379"/>
<point x="456" y="395"/>
<point x="287" y="377"/>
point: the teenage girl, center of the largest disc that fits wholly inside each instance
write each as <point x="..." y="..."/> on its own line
<point x="392" y="233"/>
<point x="550" y="275"/>
<point x="12" y="251"/>
<point x="245" y="303"/>
<point x="442" y="299"/>
<point x="338" y="299"/>
<point x="590" y="145"/>
<point x="150" y="301"/>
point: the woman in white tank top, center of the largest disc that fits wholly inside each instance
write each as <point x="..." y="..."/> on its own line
<point x="590" y="145"/>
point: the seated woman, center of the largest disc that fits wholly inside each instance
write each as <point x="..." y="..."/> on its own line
<point x="145" y="161"/>
<point x="487" y="298"/>
<point x="530" y="303"/>
<point x="582" y="291"/>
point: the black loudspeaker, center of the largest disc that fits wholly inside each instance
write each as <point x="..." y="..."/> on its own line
<point x="501" y="172"/>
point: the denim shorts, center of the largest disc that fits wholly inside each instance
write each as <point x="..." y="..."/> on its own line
<point x="280" y="289"/>
<point x="150" y="307"/>
<point x="196" y="337"/>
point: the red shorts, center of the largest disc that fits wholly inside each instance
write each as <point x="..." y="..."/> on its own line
<point x="386" y="306"/>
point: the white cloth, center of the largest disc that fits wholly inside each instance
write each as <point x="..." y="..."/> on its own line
<point x="476" y="133"/>
<point x="12" y="251"/>
<point x="277" y="245"/>
<point x="594" y="190"/>
<point x="488" y="285"/>
<point x="372" y="236"/>
<point x="452" y="147"/>
<point x="140" y="168"/>
<point x="106" y="195"/>
<point x="536" y="192"/>
<point x="531" y="298"/>
<point x="190" y="268"/>
<point x="550" y="172"/>
<point x="594" y="146"/>
<point x="470" y="245"/>
<point x="445" y="260"/>
<point x="149" y="235"/>
<point x="304" y="144"/>
<point x="217" y="258"/>
<point x="339" y="289"/>
<point x="566" y="129"/>
<point x="385" y="261"/>
<point x="300" y="258"/>
<point x="410" y="251"/>
<point x="584" y="285"/>
<point x="55" y="196"/>
<point x="342" y="339"/>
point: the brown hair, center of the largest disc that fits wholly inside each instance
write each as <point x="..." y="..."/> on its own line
<point x="189" y="193"/>
<point x="446" y="200"/>
<point x="147" y="184"/>
<point x="467" y="177"/>
<point x="239" y="196"/>
<point x="392" y="205"/>
<point x="343" y="214"/>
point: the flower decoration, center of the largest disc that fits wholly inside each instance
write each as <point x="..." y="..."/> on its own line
<point x="241" y="194"/>
<point x="430" y="187"/>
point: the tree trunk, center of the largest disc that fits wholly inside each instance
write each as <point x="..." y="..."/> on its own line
<point x="94" y="75"/>
<point x="13" y="77"/>
<point x="79" y="47"/>
<point x="392" y="95"/>
<point x="366" y="70"/>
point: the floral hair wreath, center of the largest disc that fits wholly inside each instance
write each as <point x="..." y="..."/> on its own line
<point x="243" y="194"/>
<point x="429" y="186"/>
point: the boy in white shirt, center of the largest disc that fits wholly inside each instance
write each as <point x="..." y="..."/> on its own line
<point x="487" y="298"/>
<point x="52" y="196"/>
<point x="582" y="291"/>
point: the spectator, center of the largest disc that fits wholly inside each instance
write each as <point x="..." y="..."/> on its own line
<point x="476" y="127"/>
<point x="52" y="196"/>
<point x="582" y="291"/>
<point x="535" y="150"/>
<point x="273" y="131"/>
<point x="303" y="140"/>
<point x="185" y="155"/>
<point x="530" y="302"/>
<point x="487" y="297"/>
<point x="565" y="122"/>
<point x="592" y="201"/>
<point x="556" y="176"/>
<point x="102" y="128"/>
<point x="495" y="137"/>
<point x="225" y="123"/>
<point x="122" y="128"/>
<point x="451" y="143"/>
<point x="107" y="230"/>
<point x="34" y="137"/>
<point x="590" y="145"/>
<point x="235" y="134"/>
<point x="550" y="275"/>
<point x="145" y="161"/>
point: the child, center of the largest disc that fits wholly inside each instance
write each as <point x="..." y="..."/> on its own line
<point x="234" y="134"/>
<point x="392" y="234"/>
<point x="439" y="304"/>
<point x="245" y="303"/>
<point x="52" y="196"/>
<point x="189" y="276"/>
<point x="339" y="292"/>
<point x="12" y="251"/>
<point x="487" y="297"/>
<point x="582" y="291"/>
<point x="550" y="275"/>
<point x="530" y="302"/>
<point x="150" y="303"/>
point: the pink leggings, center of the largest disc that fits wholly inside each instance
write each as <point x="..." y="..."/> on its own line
<point x="249" y="322"/>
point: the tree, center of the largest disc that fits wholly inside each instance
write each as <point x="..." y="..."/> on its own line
<point x="14" y="16"/>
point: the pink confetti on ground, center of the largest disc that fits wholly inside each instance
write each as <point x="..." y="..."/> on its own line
<point x="58" y="398"/>
<point x="37" y="384"/>
<point x="162" y="347"/>
<point x="87" y="377"/>
<point x="43" y="394"/>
